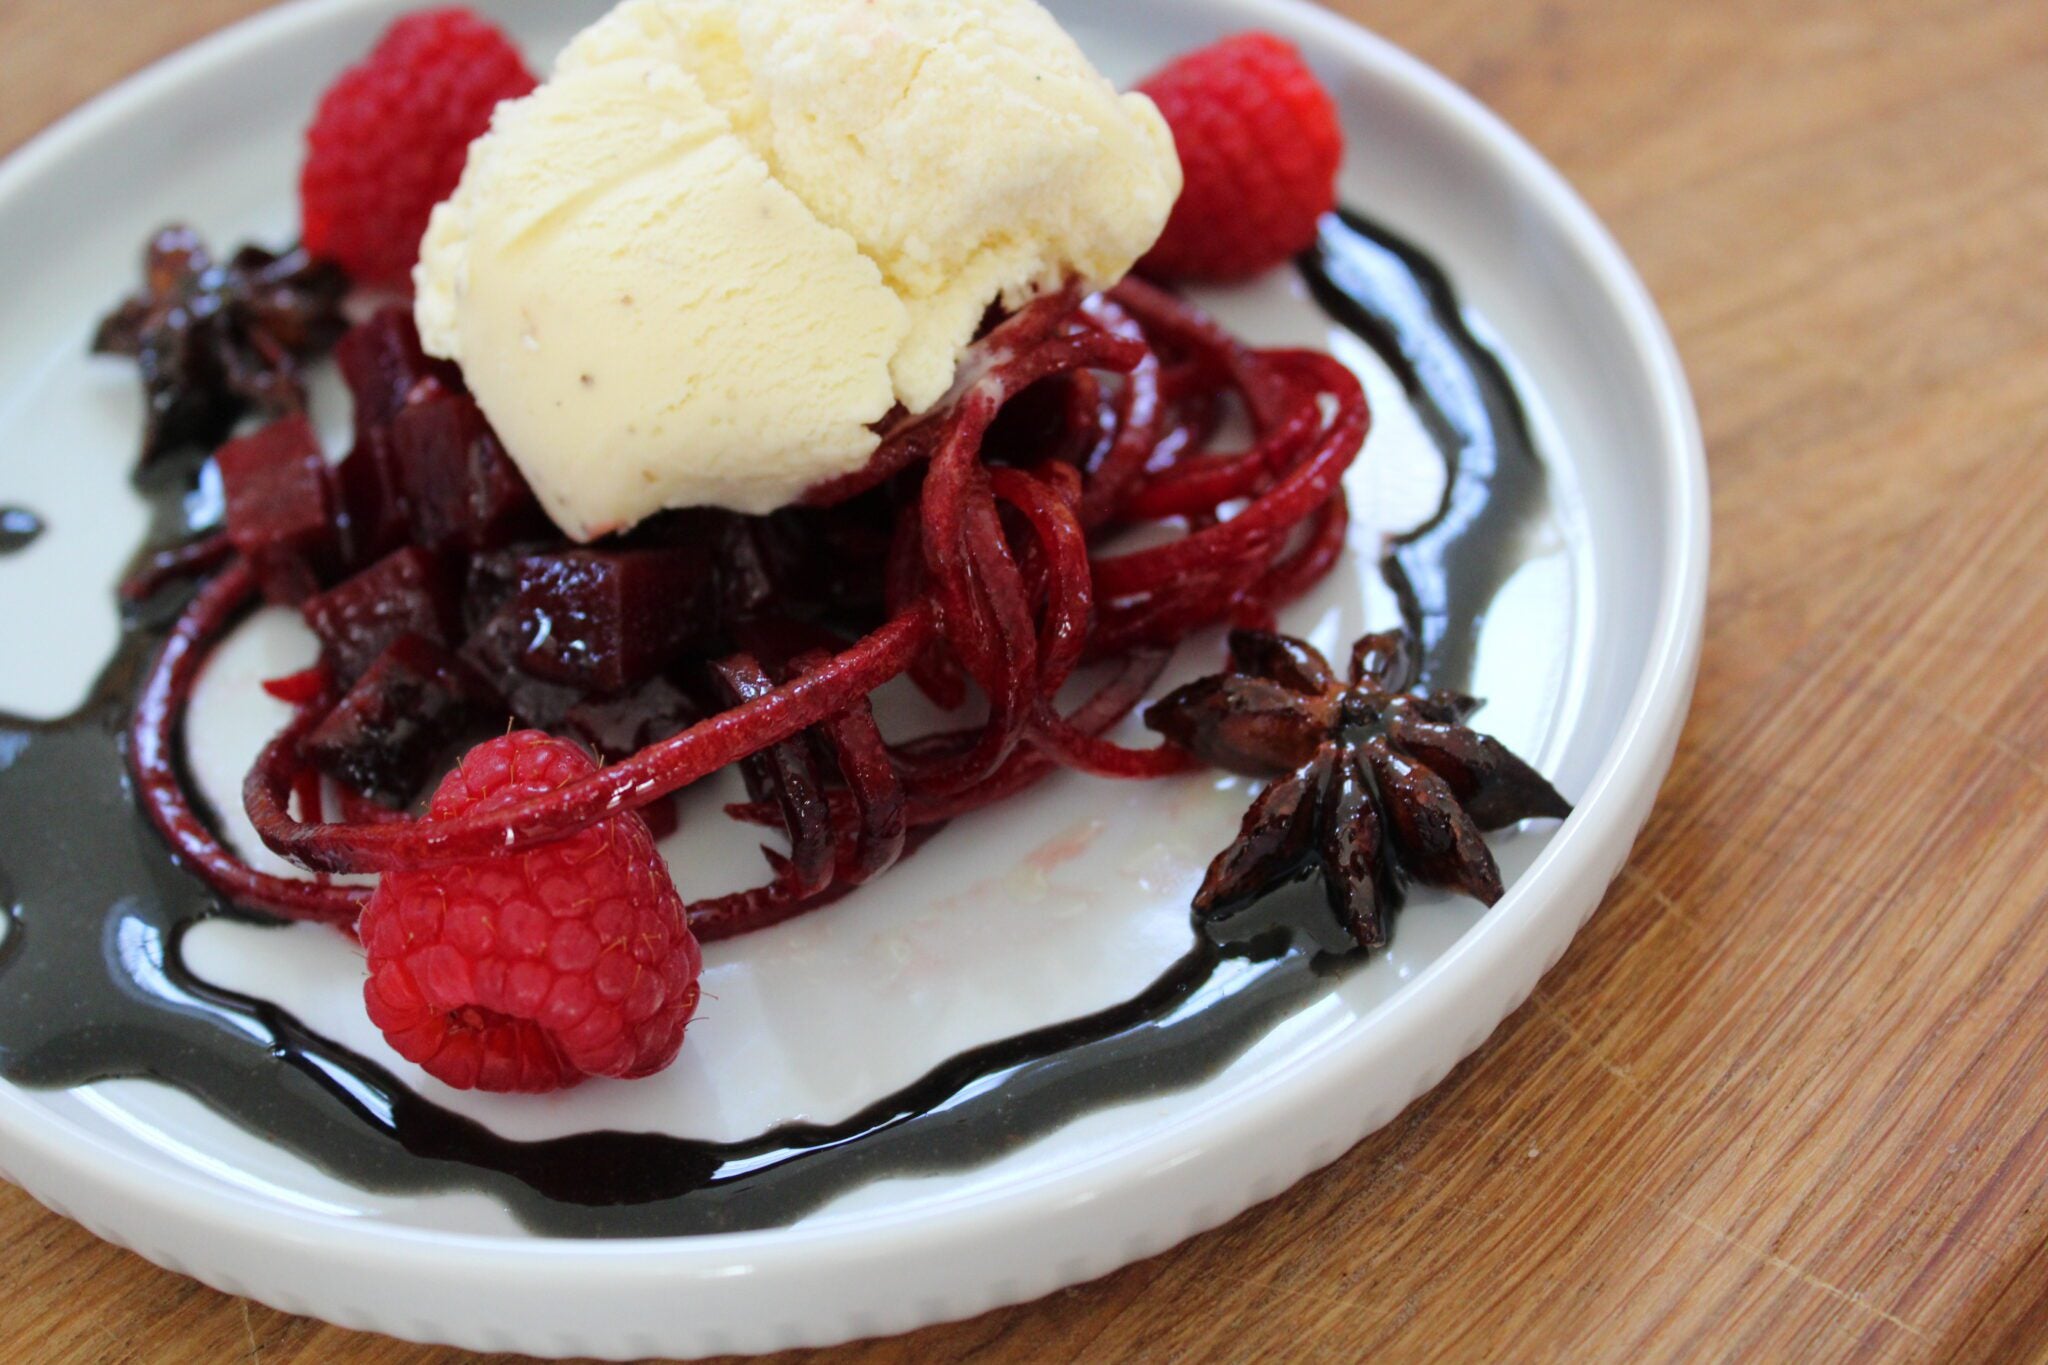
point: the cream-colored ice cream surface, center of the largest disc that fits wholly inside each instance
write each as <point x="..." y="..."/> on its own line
<point x="727" y="237"/>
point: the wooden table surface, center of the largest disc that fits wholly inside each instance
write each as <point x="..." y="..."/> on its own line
<point x="1787" y="1096"/>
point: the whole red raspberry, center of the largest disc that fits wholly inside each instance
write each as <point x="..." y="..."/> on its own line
<point x="530" y="971"/>
<point x="1260" y="146"/>
<point x="391" y="136"/>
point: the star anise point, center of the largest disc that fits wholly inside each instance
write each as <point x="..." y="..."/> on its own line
<point x="215" y="341"/>
<point x="1376" y="782"/>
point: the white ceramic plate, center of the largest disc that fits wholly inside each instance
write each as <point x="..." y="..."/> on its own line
<point x="1054" y="906"/>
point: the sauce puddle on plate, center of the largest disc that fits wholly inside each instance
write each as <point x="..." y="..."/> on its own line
<point x="19" y="528"/>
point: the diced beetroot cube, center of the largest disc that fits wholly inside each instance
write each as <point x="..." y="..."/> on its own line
<point x="386" y="371"/>
<point x="607" y="620"/>
<point x="747" y="572"/>
<point x="280" y="508"/>
<point x="405" y="593"/>
<point x="372" y="497"/>
<point x="493" y="580"/>
<point x="792" y="558"/>
<point x="460" y="487"/>
<point x="619" y="727"/>
<point x="395" y="725"/>
<point x="495" y="650"/>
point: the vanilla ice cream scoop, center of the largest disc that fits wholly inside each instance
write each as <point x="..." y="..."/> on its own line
<point x="728" y="237"/>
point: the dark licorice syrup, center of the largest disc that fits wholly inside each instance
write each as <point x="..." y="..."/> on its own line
<point x="93" y="985"/>
<point x="1446" y="572"/>
<point x="19" y="528"/>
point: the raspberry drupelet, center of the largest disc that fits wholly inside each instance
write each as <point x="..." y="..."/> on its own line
<point x="529" y="971"/>
<point x="1260" y="146"/>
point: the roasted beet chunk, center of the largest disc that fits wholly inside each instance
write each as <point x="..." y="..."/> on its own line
<point x="372" y="497"/>
<point x="495" y="650"/>
<point x="405" y="593"/>
<point x="619" y="727"/>
<point x="792" y="562"/>
<point x="386" y="737"/>
<point x="492" y="582"/>
<point x="461" y="489"/>
<point x="748" y="571"/>
<point x="607" y="620"/>
<point x="280" y="508"/>
<point x="497" y="641"/>
<point x="386" y="372"/>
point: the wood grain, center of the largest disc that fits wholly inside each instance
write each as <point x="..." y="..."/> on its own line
<point x="1787" y="1097"/>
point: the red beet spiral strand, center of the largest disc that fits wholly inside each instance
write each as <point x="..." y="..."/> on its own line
<point x="1074" y="421"/>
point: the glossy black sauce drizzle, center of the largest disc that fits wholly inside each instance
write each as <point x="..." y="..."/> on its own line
<point x="93" y="985"/>
<point x="19" y="528"/>
<point x="1446" y="571"/>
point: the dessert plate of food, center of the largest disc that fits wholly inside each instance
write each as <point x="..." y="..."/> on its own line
<point x="746" y="674"/>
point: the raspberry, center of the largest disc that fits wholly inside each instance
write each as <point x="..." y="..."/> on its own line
<point x="1260" y="146"/>
<point x="391" y="136"/>
<point x="529" y="971"/>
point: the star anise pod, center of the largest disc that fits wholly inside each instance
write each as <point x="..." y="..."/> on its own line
<point x="216" y="340"/>
<point x="1376" y="783"/>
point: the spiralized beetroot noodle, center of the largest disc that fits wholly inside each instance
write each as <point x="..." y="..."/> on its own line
<point x="153" y="753"/>
<point x="997" y="577"/>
